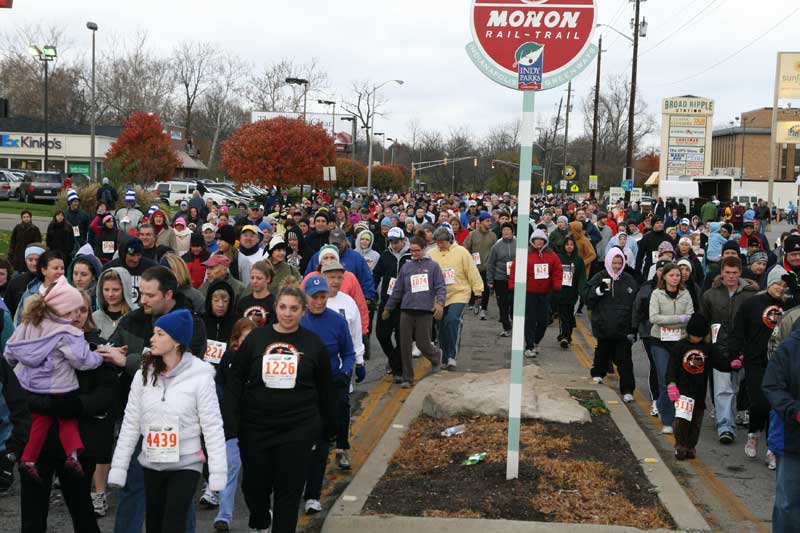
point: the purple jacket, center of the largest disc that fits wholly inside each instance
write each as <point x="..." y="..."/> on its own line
<point x="45" y="357"/>
<point x="409" y="300"/>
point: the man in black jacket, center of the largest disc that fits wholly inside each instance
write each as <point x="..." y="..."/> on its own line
<point x="131" y="258"/>
<point x="159" y="296"/>
<point x="15" y="423"/>
<point x="645" y="257"/>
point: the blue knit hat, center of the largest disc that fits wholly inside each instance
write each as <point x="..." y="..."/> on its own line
<point x="130" y="196"/>
<point x="72" y="194"/>
<point x="178" y="325"/>
<point x="153" y="209"/>
<point x="386" y="222"/>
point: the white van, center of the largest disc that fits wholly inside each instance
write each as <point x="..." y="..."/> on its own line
<point x="173" y="192"/>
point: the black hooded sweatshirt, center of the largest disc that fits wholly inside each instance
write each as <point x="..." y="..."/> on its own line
<point x="219" y="328"/>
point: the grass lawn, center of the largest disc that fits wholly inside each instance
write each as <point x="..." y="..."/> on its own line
<point x="5" y="237"/>
<point x="38" y="210"/>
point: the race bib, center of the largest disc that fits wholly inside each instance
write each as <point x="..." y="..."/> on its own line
<point x="390" y="288"/>
<point x="279" y="369"/>
<point x="162" y="442"/>
<point x="76" y="231"/>
<point x="419" y="283"/>
<point x="508" y="268"/>
<point x="449" y="276"/>
<point x="671" y="334"/>
<point x="566" y="279"/>
<point x="541" y="271"/>
<point x="215" y="351"/>
<point x="684" y="408"/>
<point x="477" y="258"/>
<point x="655" y="256"/>
<point x="108" y="247"/>
<point x="715" y="332"/>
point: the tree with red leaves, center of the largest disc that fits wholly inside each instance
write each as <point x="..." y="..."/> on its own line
<point x="280" y="151"/>
<point x="390" y="177"/>
<point x="143" y="152"/>
<point x="349" y="172"/>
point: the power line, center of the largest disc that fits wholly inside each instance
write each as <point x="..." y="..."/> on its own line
<point x="734" y="54"/>
<point x="679" y="28"/>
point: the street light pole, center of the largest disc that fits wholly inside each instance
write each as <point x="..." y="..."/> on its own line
<point x="596" y="119"/>
<point x="304" y="83"/>
<point x="45" y="55"/>
<point x="333" y="114"/>
<point x="371" y="120"/>
<point x="394" y="141"/>
<point x="93" y="119"/>
<point x="566" y="129"/>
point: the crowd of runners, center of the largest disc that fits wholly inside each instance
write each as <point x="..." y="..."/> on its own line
<point x="154" y="350"/>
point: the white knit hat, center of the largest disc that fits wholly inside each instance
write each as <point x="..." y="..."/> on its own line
<point x="72" y="194"/>
<point x="130" y="196"/>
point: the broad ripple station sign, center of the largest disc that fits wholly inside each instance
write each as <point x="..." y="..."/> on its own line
<point x="532" y="44"/>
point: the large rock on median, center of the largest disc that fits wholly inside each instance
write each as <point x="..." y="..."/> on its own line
<point x="487" y="394"/>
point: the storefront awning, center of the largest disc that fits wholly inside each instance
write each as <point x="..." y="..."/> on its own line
<point x="652" y="180"/>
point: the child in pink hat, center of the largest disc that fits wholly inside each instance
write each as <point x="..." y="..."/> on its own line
<point x="45" y="351"/>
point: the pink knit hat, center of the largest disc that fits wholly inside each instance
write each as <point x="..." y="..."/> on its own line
<point x="63" y="297"/>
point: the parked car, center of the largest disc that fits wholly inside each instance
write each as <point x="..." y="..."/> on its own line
<point x="7" y="179"/>
<point x="40" y="186"/>
<point x="13" y="180"/>
<point x="173" y="192"/>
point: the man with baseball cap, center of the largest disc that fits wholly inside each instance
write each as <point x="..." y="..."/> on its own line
<point x="352" y="261"/>
<point x="479" y="245"/>
<point x="250" y="251"/>
<point x="218" y="268"/>
<point x="385" y="275"/>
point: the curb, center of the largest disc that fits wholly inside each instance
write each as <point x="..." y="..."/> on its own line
<point x="345" y="516"/>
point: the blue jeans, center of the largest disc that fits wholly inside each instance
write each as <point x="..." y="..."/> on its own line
<point x="786" y="511"/>
<point x="726" y="385"/>
<point x="130" y="504"/>
<point x="666" y="409"/>
<point x="228" y="496"/>
<point x="450" y="330"/>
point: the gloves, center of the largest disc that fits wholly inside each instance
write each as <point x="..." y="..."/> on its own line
<point x="631" y="338"/>
<point x="438" y="311"/>
<point x="605" y="286"/>
<point x="673" y="392"/>
<point x="342" y="379"/>
<point x="386" y="314"/>
<point x="736" y="364"/>
<point x="6" y="473"/>
<point x="361" y="373"/>
<point x="684" y="319"/>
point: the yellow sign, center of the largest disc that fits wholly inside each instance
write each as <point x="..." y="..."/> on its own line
<point x="574" y="188"/>
<point x="788" y="75"/>
<point x="788" y="132"/>
<point x="569" y="172"/>
<point x="549" y="187"/>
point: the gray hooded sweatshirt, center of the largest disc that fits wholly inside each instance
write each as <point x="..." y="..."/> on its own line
<point x="369" y="255"/>
<point x="105" y="323"/>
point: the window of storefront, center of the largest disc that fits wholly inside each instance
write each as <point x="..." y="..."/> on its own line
<point x="55" y="165"/>
<point x="26" y="164"/>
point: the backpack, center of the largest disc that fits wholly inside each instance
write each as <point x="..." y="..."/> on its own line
<point x="106" y="196"/>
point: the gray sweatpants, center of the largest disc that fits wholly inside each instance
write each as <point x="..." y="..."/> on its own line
<point x="417" y="328"/>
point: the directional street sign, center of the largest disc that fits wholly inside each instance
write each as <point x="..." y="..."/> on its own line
<point x="627" y="185"/>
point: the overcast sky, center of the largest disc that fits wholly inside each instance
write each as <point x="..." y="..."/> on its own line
<point x="422" y="42"/>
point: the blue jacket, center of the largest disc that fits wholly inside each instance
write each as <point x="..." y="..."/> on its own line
<point x="332" y="329"/>
<point x="715" y="242"/>
<point x="781" y="386"/>
<point x="355" y="263"/>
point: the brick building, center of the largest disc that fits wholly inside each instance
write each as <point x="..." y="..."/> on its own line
<point x="754" y="131"/>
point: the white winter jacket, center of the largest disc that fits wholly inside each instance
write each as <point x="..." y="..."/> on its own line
<point x="187" y="392"/>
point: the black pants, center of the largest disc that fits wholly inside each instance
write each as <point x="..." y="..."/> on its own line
<point x="167" y="497"/>
<point x="652" y="377"/>
<point x="505" y="302"/>
<point x="279" y="471"/>
<point x="688" y="433"/>
<point x="365" y="338"/>
<point x="485" y="296"/>
<point x="566" y="320"/>
<point x="618" y="351"/>
<point x="759" y="406"/>
<point x="35" y="497"/>
<point x="388" y="334"/>
<point x="537" y="309"/>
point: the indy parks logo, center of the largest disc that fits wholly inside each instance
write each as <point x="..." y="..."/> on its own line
<point x="529" y="60"/>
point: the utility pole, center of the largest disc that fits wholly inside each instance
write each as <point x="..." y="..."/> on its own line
<point x="566" y="128"/>
<point x="596" y="120"/>
<point x="553" y="151"/>
<point x="631" y="110"/>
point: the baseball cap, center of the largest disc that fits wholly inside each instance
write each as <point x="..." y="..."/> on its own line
<point x="332" y="266"/>
<point x="252" y="228"/>
<point x="208" y="226"/>
<point x="484" y="215"/>
<point x="337" y="236"/>
<point x="685" y="221"/>
<point x="217" y="259"/>
<point x="179" y="221"/>
<point x="134" y="246"/>
<point x="396" y="234"/>
<point x="255" y="205"/>
<point x="315" y="285"/>
<point x="184" y="202"/>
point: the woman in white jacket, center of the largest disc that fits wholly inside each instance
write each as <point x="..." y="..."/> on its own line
<point x="172" y="401"/>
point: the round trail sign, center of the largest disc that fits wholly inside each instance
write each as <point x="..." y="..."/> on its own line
<point x="532" y="44"/>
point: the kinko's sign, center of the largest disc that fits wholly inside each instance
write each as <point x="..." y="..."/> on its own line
<point x="532" y="44"/>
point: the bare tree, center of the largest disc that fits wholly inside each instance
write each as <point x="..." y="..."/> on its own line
<point x="130" y="78"/>
<point x="220" y="108"/>
<point x="195" y="65"/>
<point x="269" y="91"/>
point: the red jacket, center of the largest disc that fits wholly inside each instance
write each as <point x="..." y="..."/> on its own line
<point x="549" y="277"/>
